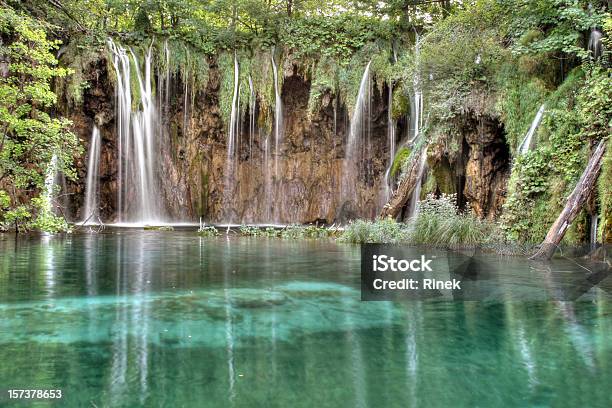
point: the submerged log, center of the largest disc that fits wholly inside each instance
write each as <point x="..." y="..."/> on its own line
<point x="575" y="202"/>
<point x="401" y="196"/>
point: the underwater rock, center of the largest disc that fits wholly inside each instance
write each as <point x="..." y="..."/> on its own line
<point x="253" y="299"/>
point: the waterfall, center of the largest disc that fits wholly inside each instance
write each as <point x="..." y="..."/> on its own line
<point x="413" y="210"/>
<point x="137" y="132"/>
<point x="234" y="116"/>
<point x="49" y="189"/>
<point x="416" y="107"/>
<point x="594" y="222"/>
<point x="278" y="116"/>
<point x="164" y="79"/>
<point x="391" y="142"/>
<point x="357" y="132"/>
<point x="252" y="121"/>
<point x="595" y="44"/>
<point x="391" y="126"/>
<point x="232" y="138"/>
<point x="92" y="188"/>
<point x="267" y="179"/>
<point x="526" y="143"/>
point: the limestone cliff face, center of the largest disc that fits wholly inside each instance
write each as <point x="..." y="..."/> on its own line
<point x="305" y="183"/>
<point x="478" y="169"/>
<point x="304" y="186"/>
<point x="487" y="167"/>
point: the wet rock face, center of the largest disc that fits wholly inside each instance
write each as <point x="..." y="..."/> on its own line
<point x="478" y="172"/>
<point x="97" y="108"/>
<point x="487" y="167"/>
<point x="305" y="187"/>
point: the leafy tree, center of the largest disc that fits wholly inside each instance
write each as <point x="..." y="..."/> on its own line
<point x="29" y="135"/>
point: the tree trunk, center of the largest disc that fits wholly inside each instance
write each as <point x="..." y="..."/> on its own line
<point x="401" y="196"/>
<point x="575" y="202"/>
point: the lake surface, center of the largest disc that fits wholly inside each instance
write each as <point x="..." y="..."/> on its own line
<point x="149" y="318"/>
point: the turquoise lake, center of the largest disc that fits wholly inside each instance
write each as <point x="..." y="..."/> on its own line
<point x="134" y="318"/>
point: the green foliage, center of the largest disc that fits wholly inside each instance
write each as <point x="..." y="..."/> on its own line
<point x="45" y="220"/>
<point x="400" y="158"/>
<point x="30" y="137"/>
<point x="158" y="228"/>
<point x="14" y="218"/>
<point x="289" y="232"/>
<point x="254" y="231"/>
<point x="250" y="231"/>
<point x="337" y="38"/>
<point x="305" y="232"/>
<point x="368" y="232"/>
<point x="604" y="189"/>
<point x="324" y="81"/>
<point x="543" y="26"/>
<point x="5" y="200"/>
<point x="176" y="57"/>
<point x="440" y="223"/>
<point x="595" y="103"/>
<point x="518" y="102"/>
<point x="79" y="57"/>
<point x="458" y="58"/>
<point x="208" y="231"/>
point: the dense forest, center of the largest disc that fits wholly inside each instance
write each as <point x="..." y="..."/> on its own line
<point x="502" y="101"/>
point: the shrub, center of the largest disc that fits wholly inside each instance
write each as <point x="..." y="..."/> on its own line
<point x="208" y="231"/>
<point x="304" y="232"/>
<point x="440" y="223"/>
<point x="45" y="220"/>
<point x="369" y="232"/>
<point x="399" y="159"/>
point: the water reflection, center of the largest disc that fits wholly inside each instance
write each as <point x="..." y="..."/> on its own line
<point x="141" y="319"/>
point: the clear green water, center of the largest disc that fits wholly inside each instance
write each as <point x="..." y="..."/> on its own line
<point x="171" y="319"/>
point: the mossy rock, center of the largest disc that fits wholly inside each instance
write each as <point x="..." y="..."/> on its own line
<point x="158" y="228"/>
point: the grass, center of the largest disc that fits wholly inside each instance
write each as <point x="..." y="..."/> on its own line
<point x="439" y="223"/>
<point x="385" y="231"/>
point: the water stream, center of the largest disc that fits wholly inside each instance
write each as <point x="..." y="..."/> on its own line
<point x="357" y="143"/>
<point x="525" y="145"/>
<point x="138" y="198"/>
<point x="413" y="208"/>
<point x="232" y="138"/>
<point x="49" y="187"/>
<point x="593" y="234"/>
<point x="278" y="117"/>
<point x="91" y="211"/>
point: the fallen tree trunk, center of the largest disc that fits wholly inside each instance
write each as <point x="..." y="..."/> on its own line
<point x="401" y="196"/>
<point x="575" y="202"/>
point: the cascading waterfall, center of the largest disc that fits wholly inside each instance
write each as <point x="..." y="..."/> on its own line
<point x="278" y="116"/>
<point x="391" y="126"/>
<point x="49" y="189"/>
<point x="164" y="79"/>
<point x="92" y="187"/>
<point x="595" y="43"/>
<point x="252" y="122"/>
<point x="391" y="141"/>
<point x="234" y="129"/>
<point x="138" y="195"/>
<point x="526" y="143"/>
<point x="413" y="209"/>
<point x="416" y="107"/>
<point x="593" y="235"/>
<point x="267" y="179"/>
<point x="357" y="133"/>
